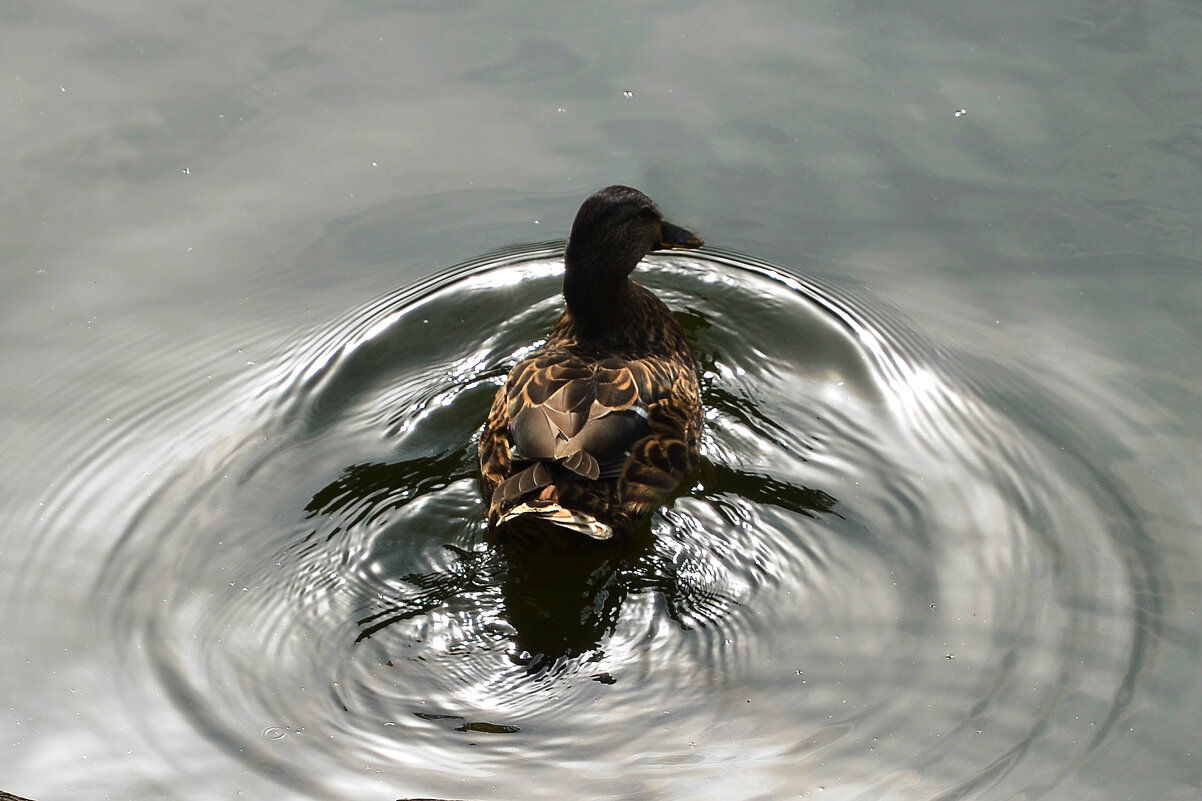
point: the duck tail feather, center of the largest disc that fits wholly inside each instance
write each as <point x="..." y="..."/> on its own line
<point x="553" y="513"/>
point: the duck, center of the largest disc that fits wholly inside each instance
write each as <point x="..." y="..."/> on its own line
<point x="593" y="431"/>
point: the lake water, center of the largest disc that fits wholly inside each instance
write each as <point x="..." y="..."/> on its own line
<point x="263" y="270"/>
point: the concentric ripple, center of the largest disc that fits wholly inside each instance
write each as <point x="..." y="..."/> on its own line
<point x="879" y="583"/>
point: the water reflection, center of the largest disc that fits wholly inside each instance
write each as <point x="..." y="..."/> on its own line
<point x="558" y="607"/>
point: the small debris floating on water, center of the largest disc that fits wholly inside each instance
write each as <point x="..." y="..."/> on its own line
<point x="473" y="725"/>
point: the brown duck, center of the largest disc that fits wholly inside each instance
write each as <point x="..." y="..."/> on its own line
<point x="592" y="432"/>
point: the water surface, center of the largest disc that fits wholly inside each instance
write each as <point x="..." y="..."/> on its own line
<point x="942" y="543"/>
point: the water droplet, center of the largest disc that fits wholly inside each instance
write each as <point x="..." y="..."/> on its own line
<point x="628" y="93"/>
<point x="275" y="732"/>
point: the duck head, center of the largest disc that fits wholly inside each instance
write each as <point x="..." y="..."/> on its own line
<point x="614" y="229"/>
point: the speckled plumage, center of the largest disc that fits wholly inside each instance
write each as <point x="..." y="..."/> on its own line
<point x="593" y="432"/>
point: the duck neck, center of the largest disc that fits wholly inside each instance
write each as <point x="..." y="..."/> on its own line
<point x="599" y="305"/>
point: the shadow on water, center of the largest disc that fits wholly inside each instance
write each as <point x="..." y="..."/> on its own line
<point x="560" y="607"/>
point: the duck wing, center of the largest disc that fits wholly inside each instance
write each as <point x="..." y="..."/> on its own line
<point x="580" y="415"/>
<point x="630" y="423"/>
<point x="584" y="415"/>
<point x="496" y="456"/>
<point x="659" y="461"/>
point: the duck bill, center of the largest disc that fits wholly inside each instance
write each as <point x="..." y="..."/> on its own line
<point x="673" y="237"/>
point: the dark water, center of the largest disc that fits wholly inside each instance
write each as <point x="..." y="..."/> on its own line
<point x="943" y="542"/>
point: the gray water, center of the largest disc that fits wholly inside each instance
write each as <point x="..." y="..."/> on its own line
<point x="943" y="542"/>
